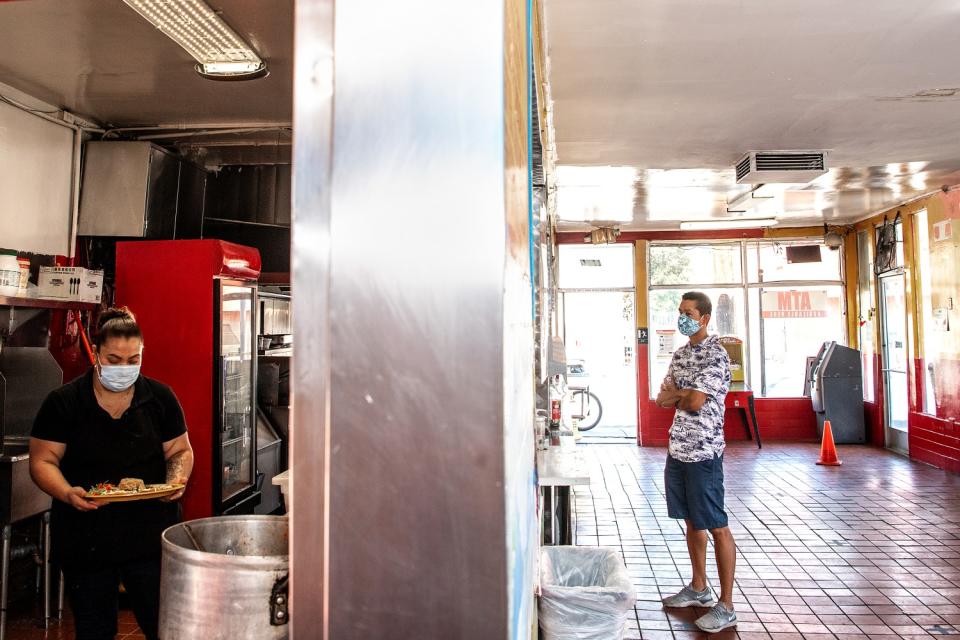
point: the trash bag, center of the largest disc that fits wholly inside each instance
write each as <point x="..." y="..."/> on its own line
<point x="586" y="593"/>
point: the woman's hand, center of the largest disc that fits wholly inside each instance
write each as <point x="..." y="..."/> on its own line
<point x="76" y="498"/>
<point x="45" y="456"/>
<point x="179" y="494"/>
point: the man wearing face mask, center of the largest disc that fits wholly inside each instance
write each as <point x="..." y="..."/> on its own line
<point x="696" y="384"/>
<point x="109" y="424"/>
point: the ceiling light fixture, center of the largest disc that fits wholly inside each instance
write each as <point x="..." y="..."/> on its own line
<point x="741" y="223"/>
<point x="220" y="53"/>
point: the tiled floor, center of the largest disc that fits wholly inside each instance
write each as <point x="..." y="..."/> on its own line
<point x="870" y="549"/>
<point x="609" y="435"/>
<point x="24" y="626"/>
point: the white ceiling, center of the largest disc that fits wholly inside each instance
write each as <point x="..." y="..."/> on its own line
<point x="100" y="60"/>
<point x="669" y="94"/>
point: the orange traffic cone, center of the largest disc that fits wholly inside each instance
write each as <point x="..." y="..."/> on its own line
<point x="828" y="451"/>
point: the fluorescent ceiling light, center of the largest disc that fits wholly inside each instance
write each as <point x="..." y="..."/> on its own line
<point x="740" y="223"/>
<point x="595" y="194"/>
<point x="193" y="25"/>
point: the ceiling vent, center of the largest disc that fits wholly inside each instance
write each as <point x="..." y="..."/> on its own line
<point x="765" y="167"/>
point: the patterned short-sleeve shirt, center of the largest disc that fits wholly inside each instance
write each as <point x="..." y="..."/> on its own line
<point x="705" y="367"/>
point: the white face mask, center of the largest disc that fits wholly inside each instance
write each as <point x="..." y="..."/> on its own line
<point x="118" y="377"/>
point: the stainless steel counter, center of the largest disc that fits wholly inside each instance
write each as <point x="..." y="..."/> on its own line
<point x="558" y="470"/>
<point x="562" y="466"/>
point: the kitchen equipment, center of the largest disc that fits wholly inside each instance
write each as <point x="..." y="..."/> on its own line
<point x="139" y="190"/>
<point x="273" y="392"/>
<point x="209" y="361"/>
<point x="27" y="375"/>
<point x="274" y="322"/>
<point x="235" y="589"/>
<point x="269" y="464"/>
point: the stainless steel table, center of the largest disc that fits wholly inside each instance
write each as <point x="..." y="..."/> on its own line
<point x="559" y="469"/>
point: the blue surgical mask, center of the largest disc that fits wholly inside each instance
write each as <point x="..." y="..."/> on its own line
<point x="687" y="325"/>
<point x="118" y="377"/>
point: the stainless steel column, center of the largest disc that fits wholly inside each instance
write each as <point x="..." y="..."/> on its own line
<point x="45" y="535"/>
<point x="412" y="437"/>
<point x="61" y="596"/>
<point x="310" y="383"/>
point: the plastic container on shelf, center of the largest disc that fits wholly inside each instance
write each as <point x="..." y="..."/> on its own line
<point x="586" y="593"/>
<point x="9" y="273"/>
<point x="24" y="273"/>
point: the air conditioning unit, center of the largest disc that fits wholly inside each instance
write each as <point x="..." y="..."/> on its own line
<point x="765" y="167"/>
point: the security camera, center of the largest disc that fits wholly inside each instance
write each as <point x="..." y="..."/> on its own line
<point x="832" y="239"/>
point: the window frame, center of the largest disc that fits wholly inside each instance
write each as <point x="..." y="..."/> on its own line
<point x="924" y="300"/>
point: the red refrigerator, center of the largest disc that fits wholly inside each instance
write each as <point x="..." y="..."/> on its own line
<point x="195" y="301"/>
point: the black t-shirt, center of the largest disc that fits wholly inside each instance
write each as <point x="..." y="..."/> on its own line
<point x="103" y="449"/>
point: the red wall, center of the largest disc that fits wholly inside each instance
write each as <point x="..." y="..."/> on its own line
<point x="932" y="439"/>
<point x="936" y="439"/>
<point x="873" y="411"/>
<point x="778" y="418"/>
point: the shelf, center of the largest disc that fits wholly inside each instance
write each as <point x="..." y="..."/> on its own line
<point x="33" y="302"/>
<point x="231" y="442"/>
<point x="276" y="353"/>
<point x="251" y="223"/>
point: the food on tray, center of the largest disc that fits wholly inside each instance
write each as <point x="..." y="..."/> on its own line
<point x="103" y="489"/>
<point x="132" y="484"/>
<point x="131" y="488"/>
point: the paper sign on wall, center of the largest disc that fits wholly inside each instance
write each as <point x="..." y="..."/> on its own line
<point x="665" y="342"/>
<point x="794" y="304"/>
<point x="942" y="231"/>
<point x="941" y="319"/>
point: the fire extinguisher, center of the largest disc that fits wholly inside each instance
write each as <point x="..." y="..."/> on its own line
<point x="555" y="422"/>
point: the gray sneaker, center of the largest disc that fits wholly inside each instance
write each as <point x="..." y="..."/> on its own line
<point x="690" y="598"/>
<point x="717" y="619"/>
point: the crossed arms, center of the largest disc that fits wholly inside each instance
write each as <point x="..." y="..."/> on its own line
<point x="686" y="399"/>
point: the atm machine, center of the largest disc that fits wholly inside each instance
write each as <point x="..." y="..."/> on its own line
<point x="836" y="392"/>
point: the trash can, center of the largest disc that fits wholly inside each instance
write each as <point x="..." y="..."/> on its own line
<point x="586" y="593"/>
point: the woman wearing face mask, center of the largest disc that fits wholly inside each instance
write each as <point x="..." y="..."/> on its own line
<point x="109" y="424"/>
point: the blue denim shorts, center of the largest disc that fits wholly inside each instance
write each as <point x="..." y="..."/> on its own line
<point x="695" y="492"/>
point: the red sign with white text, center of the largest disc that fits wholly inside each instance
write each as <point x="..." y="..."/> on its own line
<point x="794" y="304"/>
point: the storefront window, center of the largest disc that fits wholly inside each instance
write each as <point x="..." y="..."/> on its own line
<point x="602" y="266"/>
<point x="798" y="261"/>
<point x="783" y="303"/>
<point x="936" y="250"/>
<point x="726" y="320"/>
<point x="796" y="321"/>
<point x="867" y="319"/>
<point x="697" y="264"/>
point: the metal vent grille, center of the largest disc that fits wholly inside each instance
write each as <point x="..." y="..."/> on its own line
<point x="743" y="168"/>
<point x="536" y="150"/>
<point x="787" y="162"/>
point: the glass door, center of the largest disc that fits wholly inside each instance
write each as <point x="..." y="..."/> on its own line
<point x="599" y="335"/>
<point x="237" y="372"/>
<point x="894" y="351"/>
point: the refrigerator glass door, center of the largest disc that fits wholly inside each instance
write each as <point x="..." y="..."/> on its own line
<point x="237" y="379"/>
